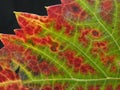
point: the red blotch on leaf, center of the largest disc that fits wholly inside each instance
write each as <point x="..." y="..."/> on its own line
<point x="103" y="45"/>
<point x="94" y="88"/>
<point x="80" y="88"/>
<point x="106" y="5"/>
<point x="86" y="68"/>
<point x="91" y="1"/>
<point x="47" y="87"/>
<point x="47" y="69"/>
<point x="54" y="46"/>
<point x="73" y="11"/>
<point x="42" y="41"/>
<point x="83" y="37"/>
<point x="67" y="1"/>
<point x="9" y="74"/>
<point x="59" y="87"/>
<point x="118" y="87"/>
<point x="109" y="87"/>
<point x="107" y="60"/>
<point x="20" y="33"/>
<point x="57" y="11"/>
<point x="106" y="10"/>
<point x="2" y="88"/>
<point x="2" y="78"/>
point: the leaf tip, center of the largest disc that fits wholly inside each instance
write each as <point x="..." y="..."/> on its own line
<point x="46" y="7"/>
<point x="16" y="13"/>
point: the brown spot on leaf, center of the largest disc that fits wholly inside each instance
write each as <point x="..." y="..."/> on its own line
<point x="95" y="34"/>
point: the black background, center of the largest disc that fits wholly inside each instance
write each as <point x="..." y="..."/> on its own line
<point x="7" y="17"/>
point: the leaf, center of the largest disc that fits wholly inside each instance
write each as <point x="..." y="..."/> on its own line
<point x="75" y="47"/>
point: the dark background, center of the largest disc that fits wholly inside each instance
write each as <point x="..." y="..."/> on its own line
<point x="7" y="17"/>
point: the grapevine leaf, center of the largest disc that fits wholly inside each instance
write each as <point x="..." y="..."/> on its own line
<point x="75" y="47"/>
